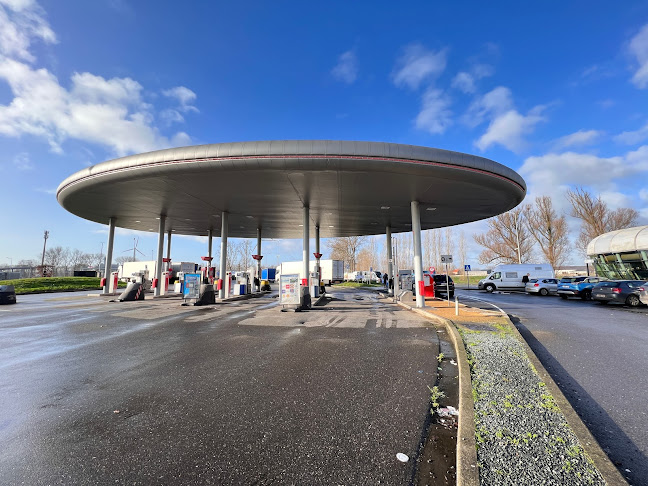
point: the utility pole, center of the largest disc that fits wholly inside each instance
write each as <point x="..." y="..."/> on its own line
<point x="100" y="258"/>
<point x="517" y="235"/>
<point x="44" y="244"/>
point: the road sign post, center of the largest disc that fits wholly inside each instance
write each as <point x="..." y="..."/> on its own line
<point x="447" y="259"/>
<point x="466" y="270"/>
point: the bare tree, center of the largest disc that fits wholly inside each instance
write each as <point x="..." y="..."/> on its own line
<point x="549" y="230"/>
<point x="368" y="255"/>
<point x="124" y="259"/>
<point x="596" y="217"/>
<point x="57" y="257"/>
<point x="462" y="250"/>
<point x="346" y="248"/>
<point x="507" y="240"/>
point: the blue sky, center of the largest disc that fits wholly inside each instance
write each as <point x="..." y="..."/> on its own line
<point x="558" y="92"/>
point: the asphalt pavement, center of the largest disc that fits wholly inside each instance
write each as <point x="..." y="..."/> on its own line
<point x="597" y="355"/>
<point x="95" y="392"/>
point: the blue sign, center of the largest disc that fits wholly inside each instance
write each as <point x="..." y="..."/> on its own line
<point x="466" y="268"/>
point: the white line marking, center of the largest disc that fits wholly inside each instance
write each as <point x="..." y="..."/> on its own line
<point x="485" y="302"/>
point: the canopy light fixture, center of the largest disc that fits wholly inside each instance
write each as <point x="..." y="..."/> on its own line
<point x="385" y="207"/>
<point x="430" y="209"/>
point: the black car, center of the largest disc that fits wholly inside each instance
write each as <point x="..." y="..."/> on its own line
<point x="620" y="291"/>
<point x="440" y="285"/>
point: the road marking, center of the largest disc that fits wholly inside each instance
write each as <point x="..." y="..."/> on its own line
<point x="485" y="302"/>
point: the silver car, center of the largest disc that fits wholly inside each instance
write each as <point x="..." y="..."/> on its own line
<point x="542" y="286"/>
<point x="643" y="293"/>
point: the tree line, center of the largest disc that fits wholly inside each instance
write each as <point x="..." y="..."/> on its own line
<point x="518" y="235"/>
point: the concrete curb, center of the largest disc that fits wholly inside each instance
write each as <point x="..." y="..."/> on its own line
<point x="467" y="470"/>
<point x="610" y="473"/>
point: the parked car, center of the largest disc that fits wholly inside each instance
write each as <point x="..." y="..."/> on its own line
<point x="643" y="294"/>
<point x="440" y="285"/>
<point x="577" y="287"/>
<point x="620" y="291"/>
<point x="542" y="286"/>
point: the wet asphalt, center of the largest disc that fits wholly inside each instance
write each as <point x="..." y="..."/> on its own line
<point x="93" y="392"/>
<point x="598" y="357"/>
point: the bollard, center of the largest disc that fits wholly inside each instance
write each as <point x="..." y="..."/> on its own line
<point x="456" y="306"/>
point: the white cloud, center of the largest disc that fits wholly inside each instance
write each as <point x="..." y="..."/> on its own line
<point x="21" y="21"/>
<point x="581" y="137"/>
<point x="51" y="191"/>
<point x="108" y="112"/>
<point x="184" y="96"/>
<point x="418" y="64"/>
<point x="434" y="117"/>
<point x="507" y="126"/>
<point x="553" y="173"/>
<point x="346" y="70"/>
<point x="633" y="138"/>
<point x="508" y="129"/>
<point x="465" y="81"/>
<point x="23" y="162"/>
<point x="492" y="104"/>
<point x="638" y="47"/>
<point x="643" y="195"/>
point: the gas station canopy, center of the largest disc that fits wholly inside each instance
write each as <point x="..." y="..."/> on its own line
<point x="351" y="188"/>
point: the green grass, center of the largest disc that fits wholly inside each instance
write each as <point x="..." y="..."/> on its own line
<point x="355" y="285"/>
<point x="463" y="280"/>
<point x="54" y="284"/>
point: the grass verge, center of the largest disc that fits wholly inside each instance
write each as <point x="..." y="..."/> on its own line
<point x="356" y="285"/>
<point x="54" y="284"/>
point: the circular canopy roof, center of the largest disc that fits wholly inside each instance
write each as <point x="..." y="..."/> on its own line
<point x="626" y="240"/>
<point x="351" y="188"/>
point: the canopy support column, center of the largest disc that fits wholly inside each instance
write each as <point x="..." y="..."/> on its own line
<point x="390" y="258"/>
<point x="223" y="256"/>
<point x="160" y="255"/>
<point x="109" y="253"/>
<point x="318" y="255"/>
<point x="168" y="250"/>
<point x="418" y="261"/>
<point x="305" y="300"/>
<point x="259" y="257"/>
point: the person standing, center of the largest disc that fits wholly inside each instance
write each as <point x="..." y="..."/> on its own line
<point x="525" y="279"/>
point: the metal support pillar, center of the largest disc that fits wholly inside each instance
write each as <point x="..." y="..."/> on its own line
<point x="223" y="256"/>
<point x="418" y="261"/>
<point x="258" y="252"/>
<point x="168" y="250"/>
<point x="160" y="255"/>
<point x="109" y="253"/>
<point x="390" y="258"/>
<point x="306" y="260"/>
<point x="210" y="238"/>
<point x="318" y="255"/>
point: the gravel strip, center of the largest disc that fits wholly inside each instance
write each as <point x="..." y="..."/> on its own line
<point x="522" y="436"/>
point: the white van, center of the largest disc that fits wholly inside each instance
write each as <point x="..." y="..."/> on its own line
<point x="509" y="277"/>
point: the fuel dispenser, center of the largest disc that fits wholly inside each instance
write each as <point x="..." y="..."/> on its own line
<point x="428" y="285"/>
<point x="112" y="283"/>
<point x="241" y="283"/>
<point x="314" y="284"/>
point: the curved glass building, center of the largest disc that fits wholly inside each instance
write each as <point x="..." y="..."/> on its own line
<point x="621" y="254"/>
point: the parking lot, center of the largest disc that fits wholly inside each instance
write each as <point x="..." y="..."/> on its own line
<point x="151" y="392"/>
